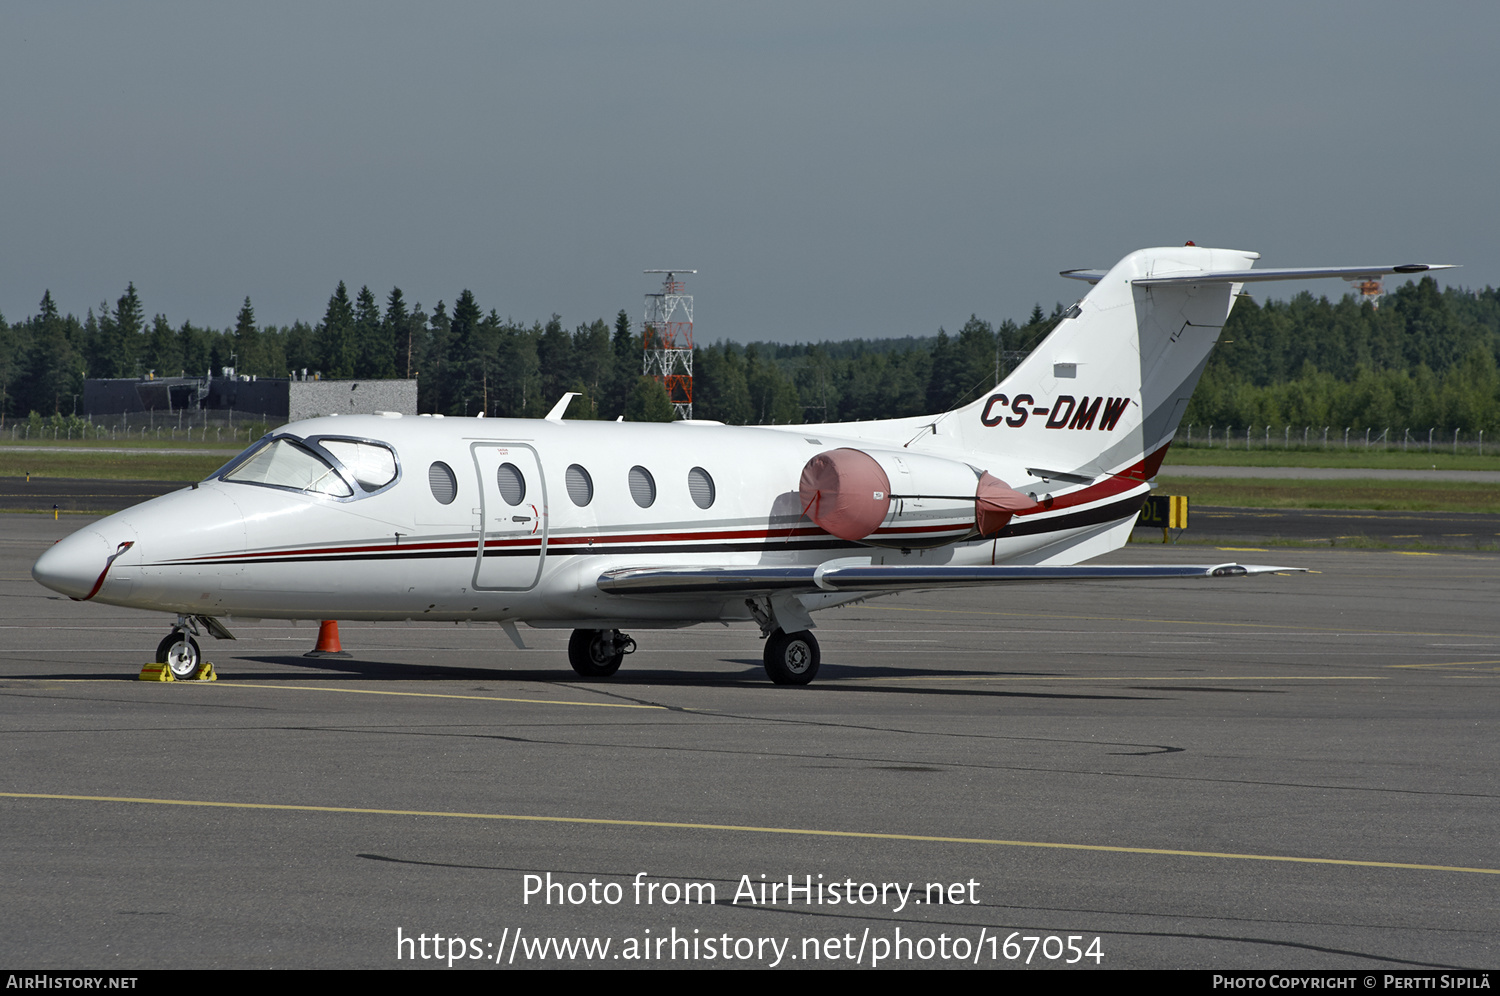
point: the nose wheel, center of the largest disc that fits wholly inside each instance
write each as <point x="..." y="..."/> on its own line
<point x="179" y="652"/>
<point x="792" y="658"/>
<point x="597" y="653"/>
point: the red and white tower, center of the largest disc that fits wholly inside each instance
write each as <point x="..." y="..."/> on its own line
<point x="667" y="334"/>
<point x="1370" y="289"/>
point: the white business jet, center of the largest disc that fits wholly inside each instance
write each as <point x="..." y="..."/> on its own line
<point x="598" y="526"/>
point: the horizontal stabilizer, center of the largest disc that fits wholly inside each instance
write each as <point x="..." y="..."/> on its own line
<point x="1293" y="273"/>
<point x="710" y="581"/>
<point x="1255" y="276"/>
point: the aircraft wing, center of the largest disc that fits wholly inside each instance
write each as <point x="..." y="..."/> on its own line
<point x="678" y="581"/>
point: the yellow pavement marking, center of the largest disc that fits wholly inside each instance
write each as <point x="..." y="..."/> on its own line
<point x="417" y="695"/>
<point x="1242" y="549"/>
<point x="1168" y="677"/>
<point x="1445" y="664"/>
<point x="436" y="695"/>
<point x="1416" y="553"/>
<point x="733" y="828"/>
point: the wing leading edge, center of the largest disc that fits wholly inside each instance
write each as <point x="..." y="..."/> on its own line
<point x="677" y="581"/>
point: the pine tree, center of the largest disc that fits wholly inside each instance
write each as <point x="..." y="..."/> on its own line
<point x="163" y="353"/>
<point x="649" y="402"/>
<point x="594" y="361"/>
<point x="374" y="353"/>
<point x="628" y="363"/>
<point x="246" y="343"/>
<point x="554" y="351"/>
<point x="336" y="336"/>
<point x="468" y="360"/>
<point x="194" y="345"/>
<point x="52" y="369"/>
<point x="434" y="365"/>
<point x="943" y="387"/>
<point x="128" y="324"/>
<point x="400" y="333"/>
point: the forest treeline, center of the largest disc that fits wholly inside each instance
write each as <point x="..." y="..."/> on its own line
<point x="1425" y="357"/>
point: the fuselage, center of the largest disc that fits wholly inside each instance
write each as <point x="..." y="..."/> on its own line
<point x="388" y="517"/>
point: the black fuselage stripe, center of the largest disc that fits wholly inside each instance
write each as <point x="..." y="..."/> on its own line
<point x="1073" y="520"/>
<point x="570" y="550"/>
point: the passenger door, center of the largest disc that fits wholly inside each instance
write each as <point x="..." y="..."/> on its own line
<point x="513" y="516"/>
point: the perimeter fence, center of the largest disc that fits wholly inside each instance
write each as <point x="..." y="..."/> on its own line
<point x="229" y="428"/>
<point x="1328" y="437"/>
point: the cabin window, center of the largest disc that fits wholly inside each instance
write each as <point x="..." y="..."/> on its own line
<point x="442" y="482"/>
<point x="512" y="484"/>
<point x="580" y="485"/>
<point x="701" y="487"/>
<point x="642" y="487"/>
<point x="284" y="463"/>
<point x="373" y="465"/>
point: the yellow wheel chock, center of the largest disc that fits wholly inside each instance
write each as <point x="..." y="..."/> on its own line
<point x="161" y="672"/>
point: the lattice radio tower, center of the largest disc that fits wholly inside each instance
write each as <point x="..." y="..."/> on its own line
<point x="667" y="334"/>
<point x="1370" y="289"/>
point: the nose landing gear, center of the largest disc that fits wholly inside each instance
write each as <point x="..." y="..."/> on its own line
<point x="180" y="653"/>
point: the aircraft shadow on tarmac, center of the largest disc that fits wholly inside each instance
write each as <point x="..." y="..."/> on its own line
<point x="753" y="676"/>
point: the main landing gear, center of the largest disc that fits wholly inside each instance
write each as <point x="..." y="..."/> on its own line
<point x="792" y="658"/>
<point x="597" y="653"/>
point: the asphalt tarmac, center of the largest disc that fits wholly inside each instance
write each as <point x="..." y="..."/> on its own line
<point x="1287" y="771"/>
<point x="1220" y="525"/>
<point x="66" y="494"/>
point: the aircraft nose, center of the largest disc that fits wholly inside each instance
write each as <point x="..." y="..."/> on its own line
<point x="75" y="565"/>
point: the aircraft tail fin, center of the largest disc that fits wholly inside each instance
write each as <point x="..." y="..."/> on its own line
<point x="1104" y="393"/>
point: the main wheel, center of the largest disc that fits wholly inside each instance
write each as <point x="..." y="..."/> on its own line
<point x="179" y="652"/>
<point x="595" y="653"/>
<point x="792" y="658"/>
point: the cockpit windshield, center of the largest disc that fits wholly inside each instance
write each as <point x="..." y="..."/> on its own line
<point x="325" y="465"/>
<point x="285" y="463"/>
<point x="373" y="465"/>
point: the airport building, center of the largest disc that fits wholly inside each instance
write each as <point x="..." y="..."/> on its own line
<point x="286" y="399"/>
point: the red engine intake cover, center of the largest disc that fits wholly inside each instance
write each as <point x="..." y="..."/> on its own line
<point x="846" y="493"/>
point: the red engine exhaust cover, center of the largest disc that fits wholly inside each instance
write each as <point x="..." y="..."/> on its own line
<point x="995" y="502"/>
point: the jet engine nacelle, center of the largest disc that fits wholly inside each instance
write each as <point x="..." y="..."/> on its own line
<point x="901" y="499"/>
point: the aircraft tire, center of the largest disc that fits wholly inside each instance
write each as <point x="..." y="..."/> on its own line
<point x="792" y="658"/>
<point x="586" y="654"/>
<point x="180" y="653"/>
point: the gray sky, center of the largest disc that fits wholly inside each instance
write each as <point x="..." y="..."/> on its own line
<point x="831" y="169"/>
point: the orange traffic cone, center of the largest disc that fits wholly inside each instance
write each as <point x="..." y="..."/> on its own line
<point x="328" y="641"/>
